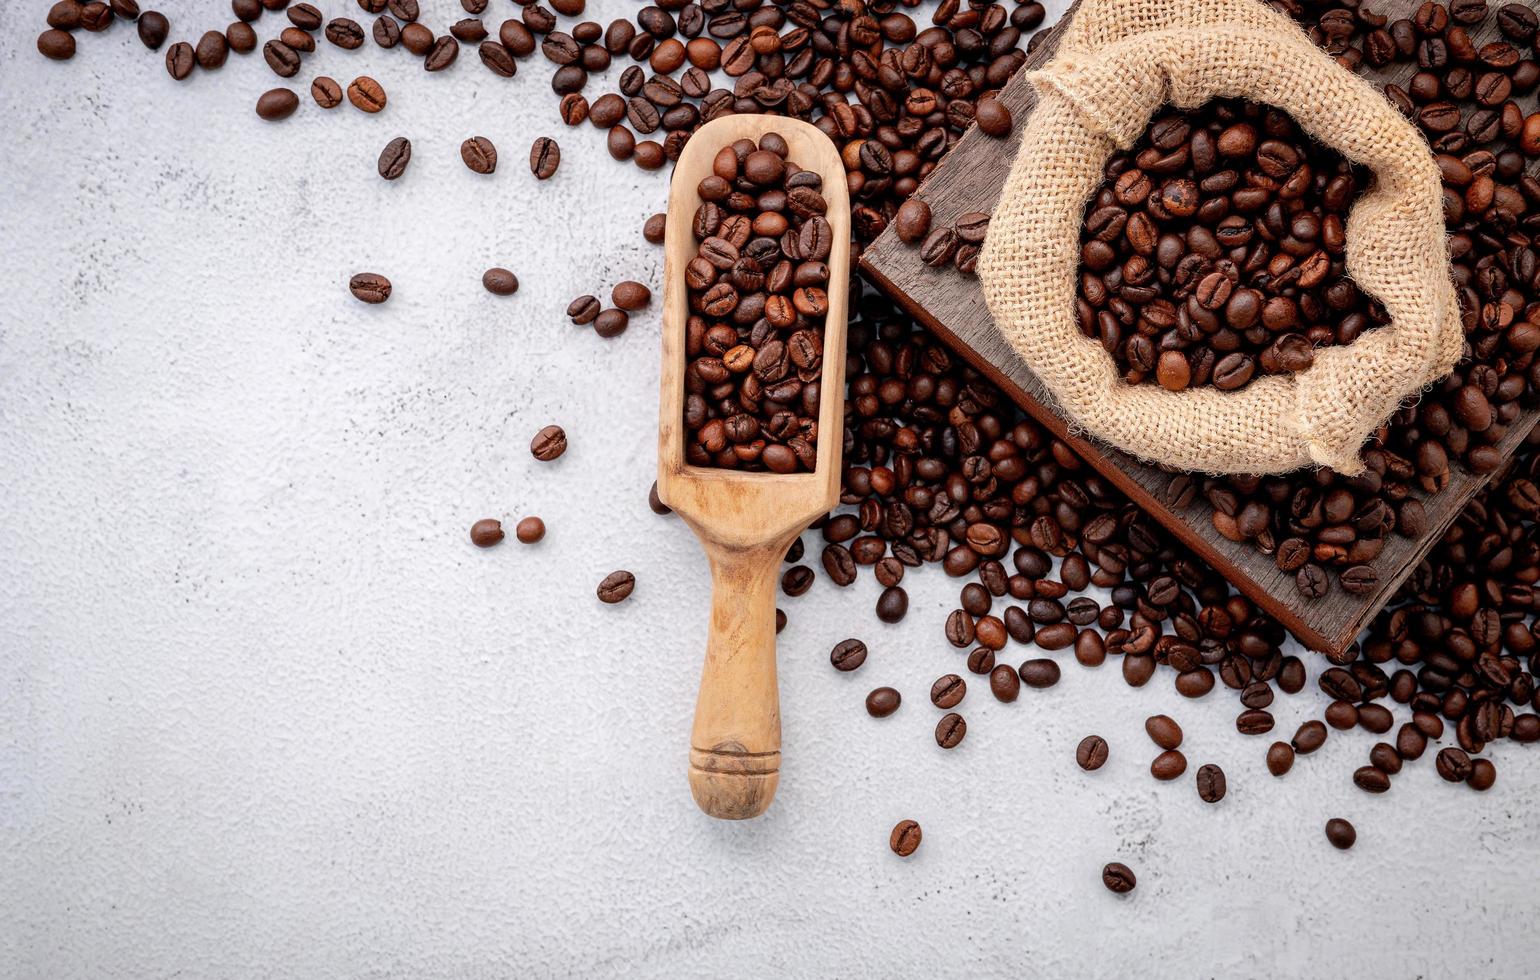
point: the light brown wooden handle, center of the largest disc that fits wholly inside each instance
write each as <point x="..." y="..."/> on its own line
<point x="735" y="747"/>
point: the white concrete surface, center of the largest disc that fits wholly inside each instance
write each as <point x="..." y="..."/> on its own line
<point x="265" y="712"/>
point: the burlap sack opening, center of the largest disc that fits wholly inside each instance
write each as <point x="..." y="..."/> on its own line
<point x="1118" y="63"/>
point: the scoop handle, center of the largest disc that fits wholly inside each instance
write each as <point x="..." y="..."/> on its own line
<point x="735" y="746"/>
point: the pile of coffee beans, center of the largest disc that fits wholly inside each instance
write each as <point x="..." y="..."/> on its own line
<point x="1215" y="251"/>
<point x="758" y="295"/>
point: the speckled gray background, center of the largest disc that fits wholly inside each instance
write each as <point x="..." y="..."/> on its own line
<point x="264" y="711"/>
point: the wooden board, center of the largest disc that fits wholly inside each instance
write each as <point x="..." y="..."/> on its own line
<point x="952" y="306"/>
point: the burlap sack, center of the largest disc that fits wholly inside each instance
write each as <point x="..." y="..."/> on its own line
<point x="1117" y="64"/>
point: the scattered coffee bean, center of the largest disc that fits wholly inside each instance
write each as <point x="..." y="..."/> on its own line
<point x="950" y="730"/>
<point x="1091" y="753"/>
<point x="1163" y="731"/>
<point x="1169" y="765"/>
<point x="326" y="92"/>
<point x="366" y="94"/>
<point x="1211" y="783"/>
<point x="1340" y="833"/>
<point x="278" y="103"/>
<point x="393" y="162"/>
<point x="486" y="533"/>
<point x="882" y="701"/>
<point x="500" y="282"/>
<point x="1004" y="684"/>
<point x="1280" y="758"/>
<point x="479" y="154"/>
<point x="549" y="443"/>
<point x="630" y="295"/>
<point x="371" y="287"/>
<point x="1118" y="878"/>
<point x="905" y="839"/>
<point x="56" y="44"/>
<point x="529" y="530"/>
<point x="616" y="587"/>
<point x="948" y="691"/>
<point x="544" y="158"/>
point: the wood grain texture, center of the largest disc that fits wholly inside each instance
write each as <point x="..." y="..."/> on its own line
<point x="745" y="521"/>
<point x="952" y="306"/>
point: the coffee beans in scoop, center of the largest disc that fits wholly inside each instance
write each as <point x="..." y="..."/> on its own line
<point x="757" y="300"/>
<point x="1215" y="252"/>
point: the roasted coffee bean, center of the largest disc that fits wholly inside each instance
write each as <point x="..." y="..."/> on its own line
<point x="913" y="220"/>
<point x="1211" y="783"/>
<point x="57" y="44"/>
<point x="549" y="443"/>
<point x="479" y="155"/>
<point x="905" y="838"/>
<point x="278" y="103"/>
<point x="1041" y="673"/>
<point x="1453" y="764"/>
<point x="153" y="29"/>
<point x="326" y="92"/>
<point x="1254" y="722"/>
<point x="498" y="58"/>
<point x="892" y="604"/>
<point x="797" y="580"/>
<point x="993" y="118"/>
<point x="498" y="281"/>
<point x="180" y="61"/>
<point x="529" y="530"/>
<point x="486" y="533"/>
<point x="444" y="52"/>
<point x="392" y="164"/>
<point x="950" y="730"/>
<point x="1004" y="683"/>
<point x="366" y="94"/>
<point x="1091" y="753"/>
<point x="611" y="323"/>
<point x="616" y="587"/>
<point x="882" y="701"/>
<point x="948" y="691"/>
<point x="1280" y="758"/>
<point x="1371" y="780"/>
<point x="282" y="59"/>
<point x="544" y="158"/>
<point x="370" y="287"/>
<point x="847" y="655"/>
<point x="1169" y="765"/>
<point x="1163" y="731"/>
<point x="1341" y="833"/>
<point x="1118" y="878"/>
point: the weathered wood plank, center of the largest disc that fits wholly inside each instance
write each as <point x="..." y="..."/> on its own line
<point x="952" y="306"/>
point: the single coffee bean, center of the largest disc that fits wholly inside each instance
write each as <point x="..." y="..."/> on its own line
<point x="56" y="44"/>
<point x="1163" y="731"/>
<point x="950" y="730"/>
<point x="366" y="94"/>
<point x="1040" y="673"/>
<point x="529" y="530"/>
<point x="616" y="587"/>
<point x="392" y="164"/>
<point x="1254" y="721"/>
<point x="655" y="502"/>
<point x="1004" y="683"/>
<point x="630" y="295"/>
<point x="64" y="15"/>
<point x="1452" y="764"/>
<point x="882" y="701"/>
<point x="892" y="604"/>
<point x="1169" y="765"/>
<point x="485" y="533"/>
<point x="153" y="29"/>
<point x="993" y="118"/>
<point x="479" y="155"/>
<point x="282" y="59"/>
<point x="584" y="310"/>
<point x="1483" y="775"/>
<point x="278" y="103"/>
<point x="326" y="92"/>
<point x="1280" y="758"/>
<point x="1118" y="878"/>
<point x="848" y="655"/>
<point x="1211" y="783"/>
<point x="654" y="228"/>
<point x="180" y="60"/>
<point x="444" y="52"/>
<point x="1091" y="753"/>
<point x="500" y="281"/>
<point x="905" y="838"/>
<point x="1340" y="833"/>
<point x="544" y="158"/>
<point x="611" y="323"/>
<point x="948" y="691"/>
<point x="498" y="59"/>
<point x="912" y="222"/>
<point x="370" y="287"/>
<point x="1371" y="780"/>
<point x="549" y="443"/>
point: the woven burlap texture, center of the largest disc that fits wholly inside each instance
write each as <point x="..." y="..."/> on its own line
<point x="1117" y="64"/>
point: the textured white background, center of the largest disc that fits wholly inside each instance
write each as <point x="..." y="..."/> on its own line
<point x="265" y="712"/>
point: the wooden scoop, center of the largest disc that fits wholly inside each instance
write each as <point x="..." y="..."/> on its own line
<point x="746" y="521"/>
